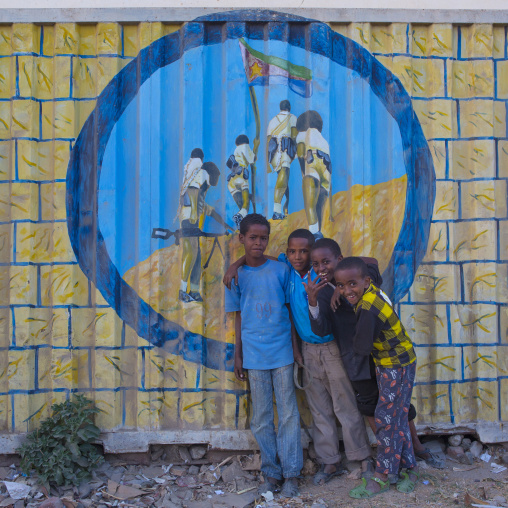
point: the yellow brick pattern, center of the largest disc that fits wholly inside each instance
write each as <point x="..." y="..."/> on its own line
<point x="420" y="77"/>
<point x="41" y="326"/>
<point x="475" y="398"/>
<point x="91" y="75"/>
<point x="19" y="118"/>
<point x="53" y="317"/>
<point x="42" y="160"/>
<point x="446" y="205"/>
<point x="43" y="243"/>
<point x="434" y="40"/>
<point x="64" y="119"/>
<point x="471" y="78"/>
<point x="63" y="285"/>
<point x="502" y="76"/>
<point x="473" y="241"/>
<point x="472" y="323"/>
<point x="44" y="78"/>
<point x="479" y="118"/>
<point x="472" y="159"/>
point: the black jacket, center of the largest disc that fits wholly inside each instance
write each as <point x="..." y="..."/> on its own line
<point x="342" y="324"/>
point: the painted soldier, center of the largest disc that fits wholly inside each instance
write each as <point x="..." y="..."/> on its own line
<point x="281" y="134"/>
<point x="198" y="178"/>
<point x="314" y="155"/>
<point x="238" y="178"/>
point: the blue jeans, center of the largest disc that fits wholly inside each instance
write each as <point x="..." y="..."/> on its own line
<point x="281" y="452"/>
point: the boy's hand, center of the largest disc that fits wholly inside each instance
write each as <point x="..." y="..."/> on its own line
<point x="313" y="287"/>
<point x="297" y="356"/>
<point x="335" y="301"/>
<point x="230" y="275"/>
<point x="239" y="372"/>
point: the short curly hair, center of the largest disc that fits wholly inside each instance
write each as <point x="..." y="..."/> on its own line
<point x="250" y="220"/>
<point x="327" y="243"/>
<point x="353" y="262"/>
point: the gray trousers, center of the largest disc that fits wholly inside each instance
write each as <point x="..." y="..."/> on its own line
<point x="331" y="395"/>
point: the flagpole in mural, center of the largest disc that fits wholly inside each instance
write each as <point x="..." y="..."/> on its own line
<point x="255" y="108"/>
<point x="261" y="69"/>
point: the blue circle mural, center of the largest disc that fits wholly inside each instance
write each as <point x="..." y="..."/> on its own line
<point x="229" y="85"/>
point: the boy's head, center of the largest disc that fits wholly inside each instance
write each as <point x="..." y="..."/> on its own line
<point x="352" y="279"/>
<point x="242" y="139"/>
<point x="325" y="255"/>
<point x="213" y="171"/>
<point x="285" y="105"/>
<point x="300" y="241"/>
<point x="309" y="120"/>
<point x="254" y="235"/>
<point x="197" y="153"/>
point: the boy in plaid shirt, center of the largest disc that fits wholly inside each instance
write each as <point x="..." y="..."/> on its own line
<point x="379" y="332"/>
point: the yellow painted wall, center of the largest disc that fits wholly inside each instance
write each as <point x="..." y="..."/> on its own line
<point x="57" y="333"/>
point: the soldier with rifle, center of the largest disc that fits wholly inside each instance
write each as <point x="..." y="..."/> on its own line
<point x="192" y="212"/>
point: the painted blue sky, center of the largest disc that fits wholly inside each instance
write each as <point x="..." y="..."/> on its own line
<point x="203" y="101"/>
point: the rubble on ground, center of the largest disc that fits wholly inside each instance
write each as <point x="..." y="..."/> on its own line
<point x="175" y="476"/>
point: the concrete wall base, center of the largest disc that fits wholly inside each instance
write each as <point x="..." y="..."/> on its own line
<point x="140" y="441"/>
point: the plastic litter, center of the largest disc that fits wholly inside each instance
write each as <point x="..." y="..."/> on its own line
<point x="497" y="468"/>
<point x="485" y="457"/>
<point x="17" y="490"/>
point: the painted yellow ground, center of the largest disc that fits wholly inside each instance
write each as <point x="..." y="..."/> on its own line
<point x="367" y="221"/>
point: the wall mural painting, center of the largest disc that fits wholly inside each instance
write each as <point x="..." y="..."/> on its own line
<point x="129" y="153"/>
<point x="220" y="120"/>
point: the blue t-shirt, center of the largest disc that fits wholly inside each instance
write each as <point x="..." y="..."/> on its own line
<point x="261" y="296"/>
<point x="299" y="302"/>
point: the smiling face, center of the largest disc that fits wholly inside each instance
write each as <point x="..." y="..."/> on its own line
<point x="298" y="254"/>
<point x="351" y="284"/>
<point x="255" y="242"/>
<point x="324" y="261"/>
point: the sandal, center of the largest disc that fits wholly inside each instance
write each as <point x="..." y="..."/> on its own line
<point x="290" y="488"/>
<point x="362" y="492"/>
<point x="433" y="460"/>
<point x="320" y="478"/>
<point x="406" y="484"/>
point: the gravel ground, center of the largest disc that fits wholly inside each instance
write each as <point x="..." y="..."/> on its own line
<point x="173" y="477"/>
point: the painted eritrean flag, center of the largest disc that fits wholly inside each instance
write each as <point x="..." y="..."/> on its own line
<point x="262" y="69"/>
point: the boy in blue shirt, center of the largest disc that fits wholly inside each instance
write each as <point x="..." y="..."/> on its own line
<point x="330" y="394"/>
<point x="264" y="347"/>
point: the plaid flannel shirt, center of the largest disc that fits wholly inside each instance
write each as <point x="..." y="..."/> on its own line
<point x="379" y="331"/>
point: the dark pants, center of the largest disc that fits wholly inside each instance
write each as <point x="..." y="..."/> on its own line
<point x="367" y="395"/>
<point x="394" y="444"/>
<point x="195" y="275"/>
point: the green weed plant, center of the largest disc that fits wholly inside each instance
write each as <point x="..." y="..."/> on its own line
<point x="61" y="450"/>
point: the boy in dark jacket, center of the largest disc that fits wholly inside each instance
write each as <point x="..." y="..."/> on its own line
<point x="340" y="320"/>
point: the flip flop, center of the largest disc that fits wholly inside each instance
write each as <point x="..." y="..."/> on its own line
<point x="405" y="484"/>
<point x="320" y="478"/>
<point x="433" y="460"/>
<point x="362" y="492"/>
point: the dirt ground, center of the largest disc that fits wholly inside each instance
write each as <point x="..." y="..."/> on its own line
<point x="221" y="480"/>
<point x="443" y="488"/>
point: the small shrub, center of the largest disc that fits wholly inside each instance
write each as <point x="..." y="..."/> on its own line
<point x="61" y="450"/>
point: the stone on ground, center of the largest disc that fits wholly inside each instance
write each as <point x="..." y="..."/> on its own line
<point x="197" y="451"/>
<point x="455" y="452"/>
<point x="455" y="440"/>
<point x="476" y="449"/>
